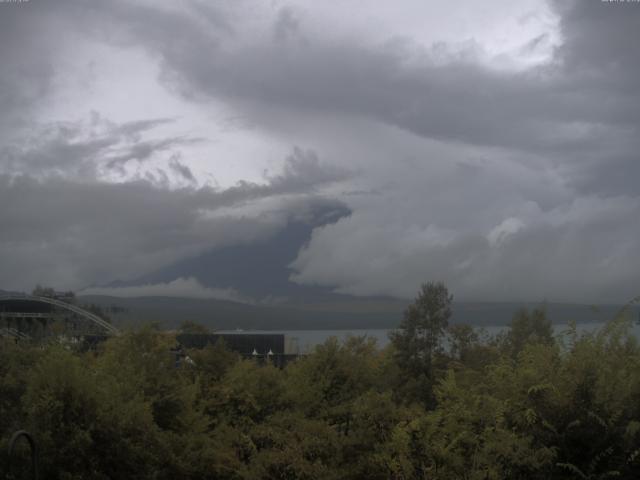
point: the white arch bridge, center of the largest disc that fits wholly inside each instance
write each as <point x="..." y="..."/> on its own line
<point x="110" y="329"/>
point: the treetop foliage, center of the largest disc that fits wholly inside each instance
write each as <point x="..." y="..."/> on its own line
<point x="522" y="405"/>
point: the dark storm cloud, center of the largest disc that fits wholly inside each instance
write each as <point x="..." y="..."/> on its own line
<point x="600" y="39"/>
<point x="26" y="63"/>
<point x="580" y="109"/>
<point x="286" y="25"/>
<point x="303" y="171"/>
<point x="585" y="251"/>
<point x="181" y="169"/>
<point x="599" y="57"/>
<point x="85" y="149"/>
<point x="142" y="151"/>
<point x="76" y="233"/>
<point x="482" y="173"/>
<point x="135" y="128"/>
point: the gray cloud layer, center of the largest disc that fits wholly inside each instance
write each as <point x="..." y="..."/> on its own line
<point x="72" y="231"/>
<point x="507" y="183"/>
<point x="582" y="107"/>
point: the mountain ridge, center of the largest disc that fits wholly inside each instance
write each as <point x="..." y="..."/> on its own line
<point x="170" y="312"/>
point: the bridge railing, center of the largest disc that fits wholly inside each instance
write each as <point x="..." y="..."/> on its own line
<point x="68" y="306"/>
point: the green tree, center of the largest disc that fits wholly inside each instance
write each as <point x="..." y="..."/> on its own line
<point x="86" y="424"/>
<point x="419" y="337"/>
<point x="528" y="327"/>
<point x="462" y="339"/>
<point x="188" y="326"/>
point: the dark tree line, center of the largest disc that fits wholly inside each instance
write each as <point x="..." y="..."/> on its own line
<point x="441" y="401"/>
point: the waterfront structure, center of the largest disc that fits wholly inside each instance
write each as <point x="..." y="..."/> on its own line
<point x="273" y="347"/>
<point x="29" y="316"/>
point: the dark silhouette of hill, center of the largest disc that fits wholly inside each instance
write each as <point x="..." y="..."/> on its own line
<point x="355" y="313"/>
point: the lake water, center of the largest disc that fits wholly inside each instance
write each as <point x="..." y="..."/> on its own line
<point x="306" y="340"/>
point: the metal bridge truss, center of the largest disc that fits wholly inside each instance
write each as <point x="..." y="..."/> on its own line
<point x="110" y="329"/>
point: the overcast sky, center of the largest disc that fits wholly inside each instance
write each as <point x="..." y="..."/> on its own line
<point x="493" y="145"/>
